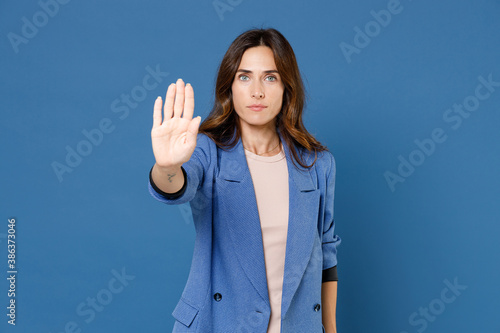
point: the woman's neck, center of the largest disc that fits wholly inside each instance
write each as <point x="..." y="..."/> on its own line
<point x="264" y="142"/>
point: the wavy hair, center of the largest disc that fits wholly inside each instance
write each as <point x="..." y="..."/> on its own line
<point x="222" y="124"/>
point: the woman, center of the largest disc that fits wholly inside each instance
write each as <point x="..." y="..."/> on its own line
<point x="261" y="190"/>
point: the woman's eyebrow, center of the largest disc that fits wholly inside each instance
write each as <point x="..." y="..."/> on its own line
<point x="249" y="71"/>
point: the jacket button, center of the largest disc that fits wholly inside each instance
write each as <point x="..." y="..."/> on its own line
<point x="317" y="307"/>
<point x="217" y="297"/>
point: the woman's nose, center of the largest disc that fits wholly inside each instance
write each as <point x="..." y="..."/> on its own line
<point x="258" y="95"/>
<point x="257" y="91"/>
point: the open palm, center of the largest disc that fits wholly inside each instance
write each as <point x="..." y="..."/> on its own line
<point x="174" y="137"/>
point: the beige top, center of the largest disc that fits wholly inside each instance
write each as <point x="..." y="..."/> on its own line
<point x="270" y="180"/>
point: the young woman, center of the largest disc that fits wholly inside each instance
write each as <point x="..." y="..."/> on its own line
<point x="261" y="191"/>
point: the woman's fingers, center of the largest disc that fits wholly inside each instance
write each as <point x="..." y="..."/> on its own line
<point x="193" y="128"/>
<point x="157" y="113"/>
<point x="169" y="102"/>
<point x="179" y="98"/>
<point x="189" y="102"/>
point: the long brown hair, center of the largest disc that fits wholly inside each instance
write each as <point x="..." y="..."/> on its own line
<point x="222" y="122"/>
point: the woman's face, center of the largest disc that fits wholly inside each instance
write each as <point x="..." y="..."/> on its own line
<point x="257" y="88"/>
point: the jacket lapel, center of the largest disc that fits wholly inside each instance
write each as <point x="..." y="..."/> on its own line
<point x="239" y="210"/>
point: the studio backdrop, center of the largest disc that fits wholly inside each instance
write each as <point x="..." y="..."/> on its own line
<point x="405" y="94"/>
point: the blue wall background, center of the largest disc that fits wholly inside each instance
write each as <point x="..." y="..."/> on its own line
<point x="372" y="94"/>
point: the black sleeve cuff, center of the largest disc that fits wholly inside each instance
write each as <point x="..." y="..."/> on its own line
<point x="170" y="196"/>
<point x="330" y="274"/>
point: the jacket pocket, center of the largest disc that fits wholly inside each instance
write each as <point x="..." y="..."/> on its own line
<point x="184" y="313"/>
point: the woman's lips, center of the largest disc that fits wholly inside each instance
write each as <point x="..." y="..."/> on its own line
<point x="257" y="107"/>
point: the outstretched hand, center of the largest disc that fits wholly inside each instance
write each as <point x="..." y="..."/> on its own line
<point x="174" y="137"/>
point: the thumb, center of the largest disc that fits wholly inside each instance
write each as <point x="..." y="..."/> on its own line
<point x="192" y="130"/>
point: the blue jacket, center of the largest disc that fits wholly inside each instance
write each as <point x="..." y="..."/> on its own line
<point x="226" y="290"/>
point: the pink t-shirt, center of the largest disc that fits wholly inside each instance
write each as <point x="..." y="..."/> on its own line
<point x="270" y="180"/>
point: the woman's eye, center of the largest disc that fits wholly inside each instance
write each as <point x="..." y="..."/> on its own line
<point x="243" y="77"/>
<point x="272" y="78"/>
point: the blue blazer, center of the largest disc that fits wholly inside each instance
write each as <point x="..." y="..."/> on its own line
<point x="226" y="290"/>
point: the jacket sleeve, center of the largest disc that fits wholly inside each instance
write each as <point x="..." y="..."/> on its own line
<point x="330" y="240"/>
<point x="194" y="174"/>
